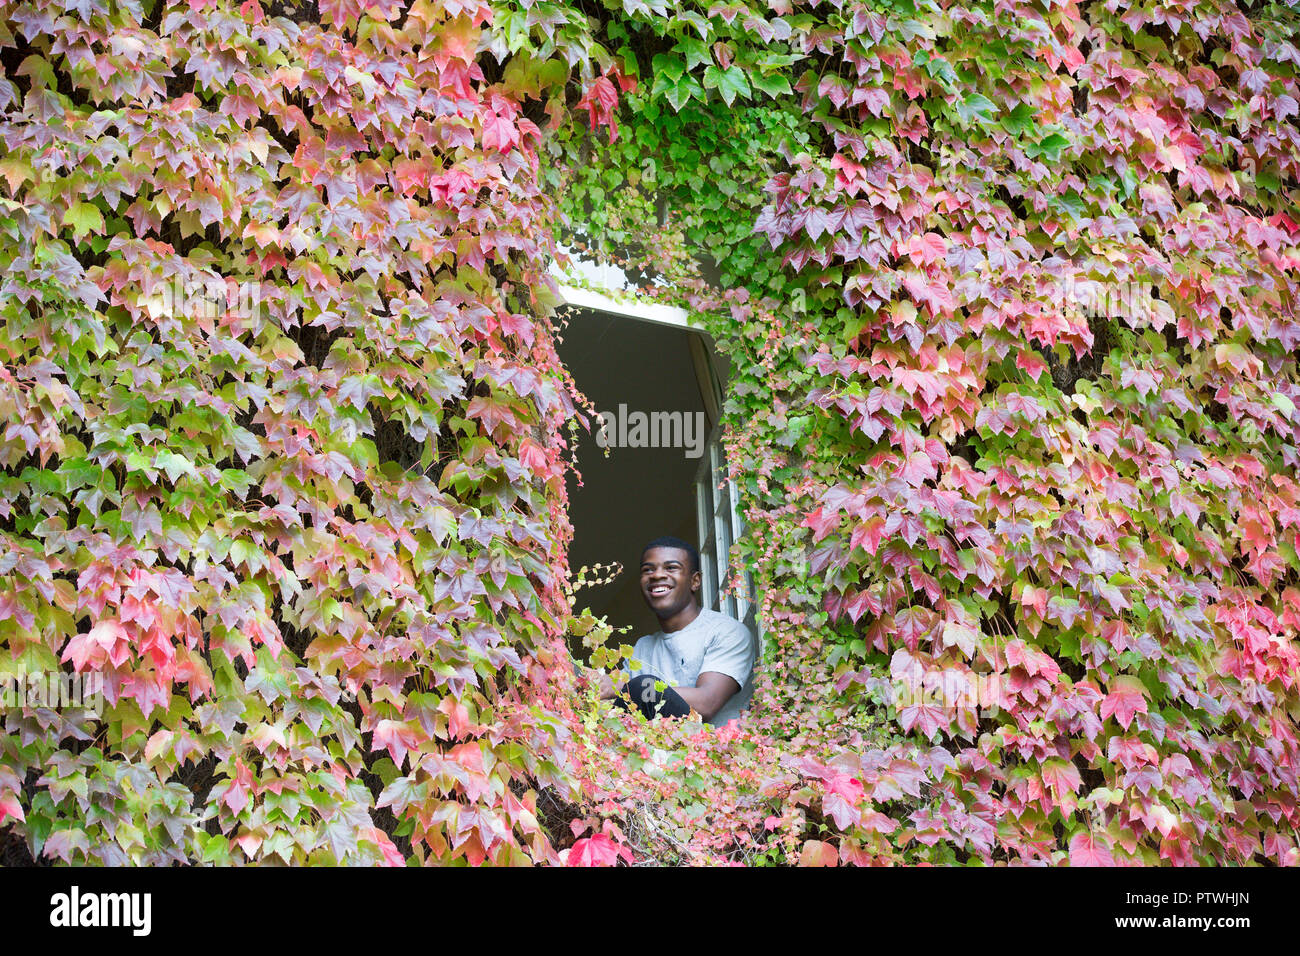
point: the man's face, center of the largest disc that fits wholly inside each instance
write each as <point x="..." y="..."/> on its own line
<point x="667" y="582"/>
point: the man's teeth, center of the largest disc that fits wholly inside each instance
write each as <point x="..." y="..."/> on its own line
<point x="659" y="589"/>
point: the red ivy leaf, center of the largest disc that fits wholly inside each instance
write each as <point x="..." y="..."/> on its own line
<point x="596" y="850"/>
<point x="9" y="807"/>
<point x="499" y="133"/>
<point x="1126" y="699"/>
<point x="1087" y="849"/>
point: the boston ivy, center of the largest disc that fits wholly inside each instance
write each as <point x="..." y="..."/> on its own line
<point x="1009" y="294"/>
<point x="1013" y="409"/>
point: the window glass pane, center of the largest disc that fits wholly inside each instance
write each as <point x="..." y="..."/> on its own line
<point x="719" y="527"/>
<point x="718" y="475"/>
<point x="709" y="580"/>
<point x="704" y="526"/>
<point x="703" y="514"/>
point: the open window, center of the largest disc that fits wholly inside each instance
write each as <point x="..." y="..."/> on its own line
<point x="659" y="382"/>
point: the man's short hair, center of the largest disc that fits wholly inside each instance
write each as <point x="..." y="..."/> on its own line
<point x="668" y="541"/>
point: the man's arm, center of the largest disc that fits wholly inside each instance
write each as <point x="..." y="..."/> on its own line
<point x="728" y="662"/>
<point x="710" y="692"/>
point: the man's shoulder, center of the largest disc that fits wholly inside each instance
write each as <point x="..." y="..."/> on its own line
<point x="644" y="648"/>
<point x="718" y="623"/>
<point x="647" y="640"/>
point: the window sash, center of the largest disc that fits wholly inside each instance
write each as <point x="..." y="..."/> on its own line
<point x="719" y="527"/>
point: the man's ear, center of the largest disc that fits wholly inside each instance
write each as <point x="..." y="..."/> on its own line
<point x="696" y="581"/>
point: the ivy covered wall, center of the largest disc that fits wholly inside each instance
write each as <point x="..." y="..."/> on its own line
<point x="1009" y="294"/>
<point x="281" y="457"/>
<point x="1011" y="289"/>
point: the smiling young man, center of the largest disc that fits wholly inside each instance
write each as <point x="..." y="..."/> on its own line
<point x="705" y="658"/>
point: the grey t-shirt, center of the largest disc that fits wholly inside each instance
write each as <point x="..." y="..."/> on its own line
<point x="711" y="642"/>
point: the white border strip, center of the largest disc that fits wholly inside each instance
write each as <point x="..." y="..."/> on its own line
<point x="646" y="311"/>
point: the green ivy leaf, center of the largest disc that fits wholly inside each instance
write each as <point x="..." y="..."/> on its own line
<point x="1019" y="121"/>
<point x="976" y="108"/>
<point x="773" y="84"/>
<point x="730" y="82"/>
<point x="667" y="69"/>
<point x="694" y="51"/>
<point x="1049" y="147"/>
<point x="84" y="218"/>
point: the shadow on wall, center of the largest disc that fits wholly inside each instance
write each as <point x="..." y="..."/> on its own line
<point x="643" y="376"/>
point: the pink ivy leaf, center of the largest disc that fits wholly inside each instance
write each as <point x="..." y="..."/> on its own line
<point x="392" y="855"/>
<point x="1125" y="699"/>
<point x="595" y="850"/>
<point x="10" y="807"/>
<point x="1032" y="363"/>
<point x="819" y="853"/>
<point x="499" y="133"/>
<point x="927" y="717"/>
<point x="397" y="737"/>
<point x="1087" y="849"/>
<point x="927" y="248"/>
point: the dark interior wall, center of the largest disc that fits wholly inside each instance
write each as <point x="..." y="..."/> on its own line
<point x="634" y="494"/>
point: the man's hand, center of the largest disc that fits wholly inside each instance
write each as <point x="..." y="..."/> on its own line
<point x="710" y="692"/>
<point x="603" y="681"/>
